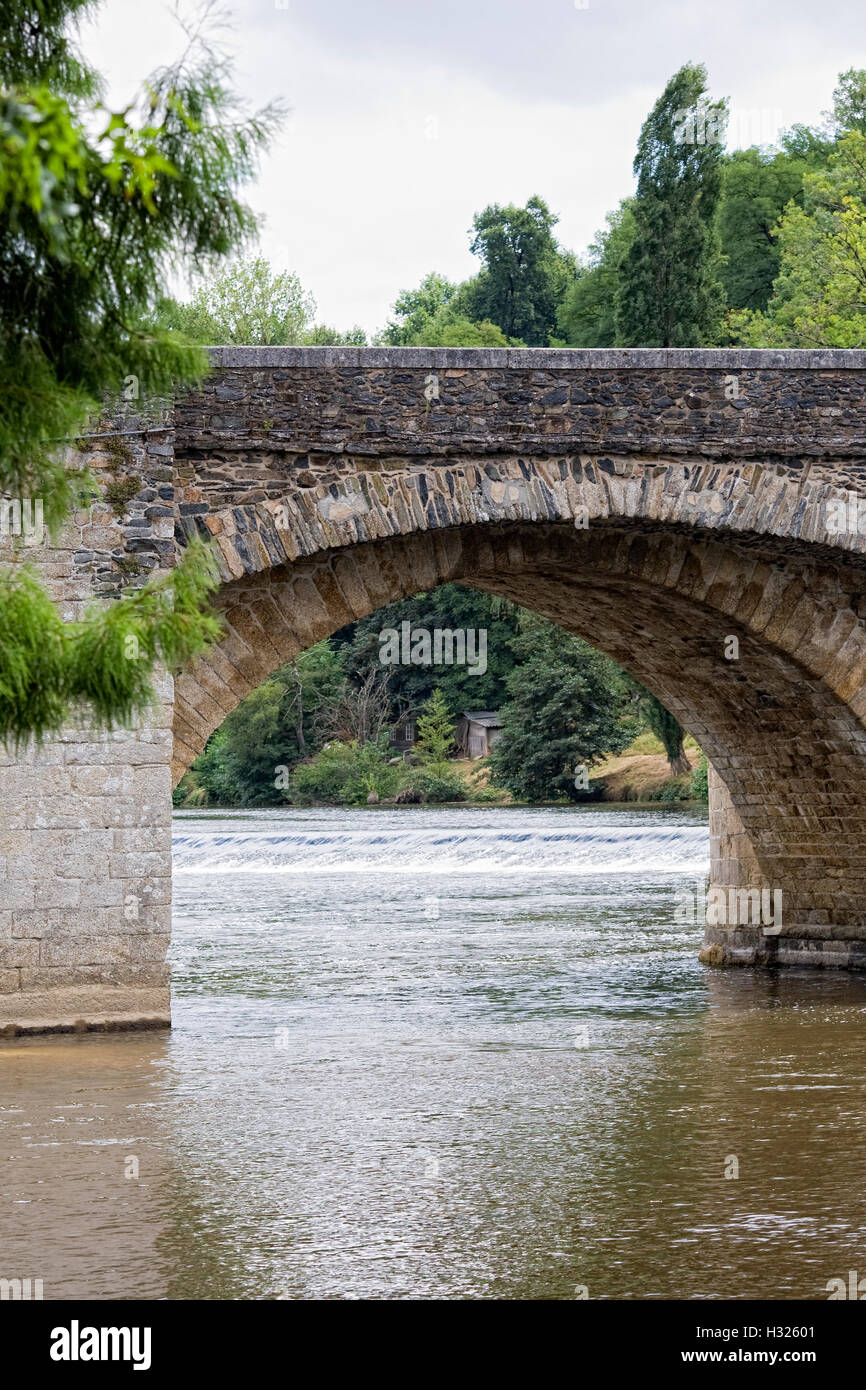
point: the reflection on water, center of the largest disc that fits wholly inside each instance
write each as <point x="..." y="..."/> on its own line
<point x="451" y="1053"/>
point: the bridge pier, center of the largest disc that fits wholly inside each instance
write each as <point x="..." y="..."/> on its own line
<point x="736" y="879"/>
<point x="85" y="821"/>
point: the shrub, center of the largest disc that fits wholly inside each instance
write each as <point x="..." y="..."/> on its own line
<point x="443" y="784"/>
<point x="496" y="796"/>
<point x="698" y="789"/>
<point x="675" y="789"/>
<point x="344" y="774"/>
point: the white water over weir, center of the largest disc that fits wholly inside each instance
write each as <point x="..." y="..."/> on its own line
<point x="413" y="843"/>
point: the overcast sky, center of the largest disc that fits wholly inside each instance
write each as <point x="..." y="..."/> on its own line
<point x="408" y="117"/>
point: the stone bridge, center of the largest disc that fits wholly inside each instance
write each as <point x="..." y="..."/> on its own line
<point x="693" y="513"/>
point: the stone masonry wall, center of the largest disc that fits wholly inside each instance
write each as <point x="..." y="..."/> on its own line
<point x="85" y="822"/>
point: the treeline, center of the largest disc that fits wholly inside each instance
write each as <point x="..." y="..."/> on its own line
<point x="761" y="246"/>
<point x="320" y="730"/>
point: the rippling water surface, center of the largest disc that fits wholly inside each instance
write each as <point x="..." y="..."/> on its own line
<point x="445" y="1053"/>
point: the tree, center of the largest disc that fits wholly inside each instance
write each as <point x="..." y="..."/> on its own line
<point x="277" y="725"/>
<point x="757" y="186"/>
<point x="322" y="335"/>
<point x="849" y="103"/>
<point x="250" y="303"/>
<point x="669" y="292"/>
<point x="428" y="317"/>
<point x="435" y="740"/>
<point x="564" y="713"/>
<point x="819" y="294"/>
<point x="662" y="723"/>
<point x="525" y="274"/>
<point x="360" y="710"/>
<point x="95" y="206"/>
<point x="451" y="607"/>
<point x="587" y="315"/>
<point x="246" y="303"/>
<point x="415" y="310"/>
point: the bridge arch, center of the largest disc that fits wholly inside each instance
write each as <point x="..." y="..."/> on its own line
<point x="781" y="724"/>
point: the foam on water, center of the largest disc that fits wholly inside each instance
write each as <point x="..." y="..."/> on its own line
<point x="588" y="848"/>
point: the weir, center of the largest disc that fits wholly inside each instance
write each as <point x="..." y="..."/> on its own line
<point x="694" y="513"/>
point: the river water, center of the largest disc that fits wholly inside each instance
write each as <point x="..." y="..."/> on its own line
<point x="459" y="1053"/>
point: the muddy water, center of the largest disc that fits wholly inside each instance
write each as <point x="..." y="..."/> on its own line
<point x="456" y="1053"/>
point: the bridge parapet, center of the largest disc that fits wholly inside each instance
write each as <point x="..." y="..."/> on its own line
<point x="378" y="402"/>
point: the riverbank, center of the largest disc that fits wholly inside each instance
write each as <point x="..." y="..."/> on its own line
<point x="640" y="774"/>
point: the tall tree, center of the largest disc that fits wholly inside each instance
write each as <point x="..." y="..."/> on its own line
<point x="819" y="294"/>
<point x="525" y="274"/>
<point x="670" y="294"/>
<point x="662" y="723"/>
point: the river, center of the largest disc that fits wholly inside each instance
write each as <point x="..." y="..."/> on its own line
<point x="445" y="1053"/>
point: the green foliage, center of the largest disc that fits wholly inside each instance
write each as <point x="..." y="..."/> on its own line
<point x="416" y="310"/>
<point x="676" y="789"/>
<point x="669" y="291"/>
<point x="246" y="303"/>
<point x="48" y="667"/>
<point x="276" y="726"/>
<point x="698" y="785"/>
<point x="525" y="274"/>
<point x="661" y="722"/>
<point x="322" y="335"/>
<point x="120" y="491"/>
<point x="587" y="315"/>
<point x="452" y="606"/>
<point x="435" y="738"/>
<point x="564" y="710"/>
<point x="458" y="331"/>
<point x="429" y="317"/>
<point x="819" y="297"/>
<point x="39" y="49"/>
<point x="439" y="784"/>
<point x="757" y="185"/>
<point x="849" y="103"/>
<point x="96" y="208"/>
<point x="344" y="774"/>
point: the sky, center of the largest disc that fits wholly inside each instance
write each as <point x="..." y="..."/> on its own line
<point x="406" y="117"/>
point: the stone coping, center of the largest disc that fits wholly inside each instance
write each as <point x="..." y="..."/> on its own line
<point x="581" y="359"/>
